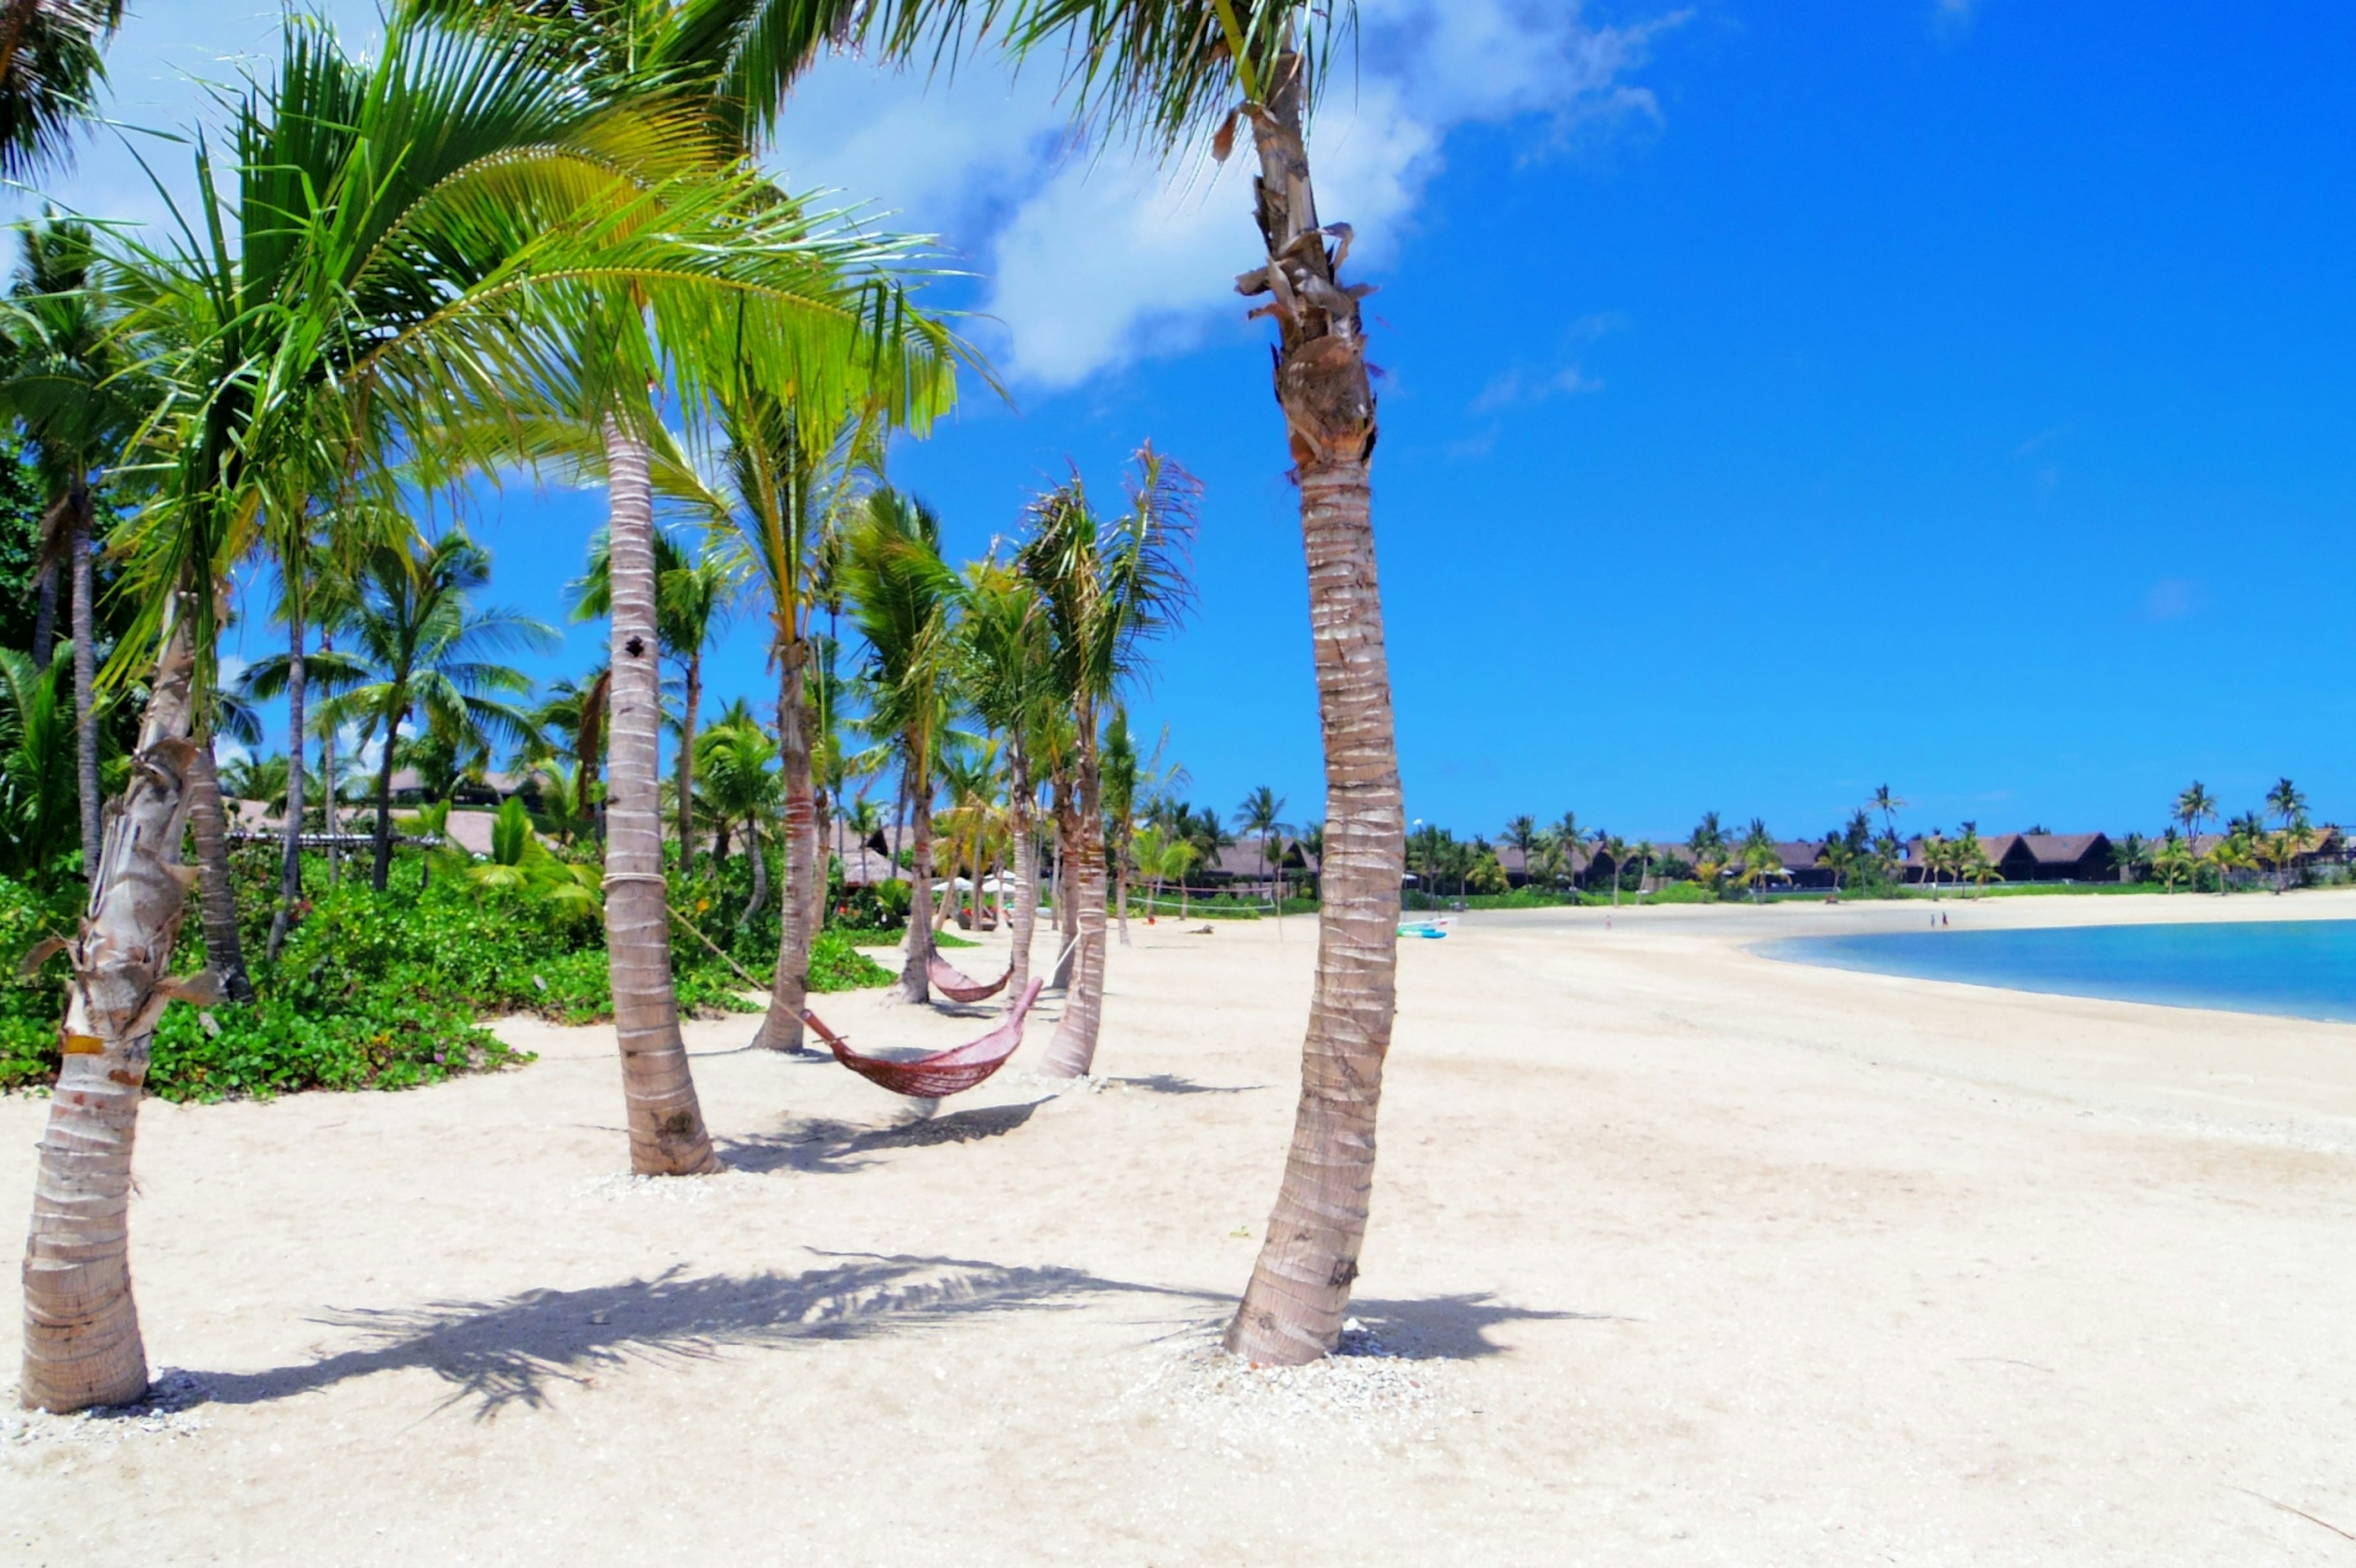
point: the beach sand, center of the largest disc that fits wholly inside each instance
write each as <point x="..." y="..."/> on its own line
<point x="1680" y="1254"/>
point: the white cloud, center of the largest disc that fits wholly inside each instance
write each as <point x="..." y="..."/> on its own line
<point x="1515" y="388"/>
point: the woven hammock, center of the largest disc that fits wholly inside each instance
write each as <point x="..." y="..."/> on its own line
<point x="950" y="1072"/>
<point x="960" y="986"/>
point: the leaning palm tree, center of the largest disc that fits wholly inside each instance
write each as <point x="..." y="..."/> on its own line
<point x="429" y="653"/>
<point x="1172" y="71"/>
<point x="1106" y="587"/>
<point x="2286" y="801"/>
<point x="1890" y="805"/>
<point x="2194" y="808"/>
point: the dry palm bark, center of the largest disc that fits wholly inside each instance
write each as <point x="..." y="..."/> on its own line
<point x="81" y="1327"/>
<point x="667" y="1131"/>
<point x="85" y="664"/>
<point x="781" y="1028"/>
<point x="1300" y="1291"/>
<point x="216" y="895"/>
<point x="1074" y="1049"/>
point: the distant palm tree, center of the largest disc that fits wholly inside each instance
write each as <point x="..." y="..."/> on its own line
<point x="1611" y="847"/>
<point x="1261" y="813"/>
<point x="2173" y="861"/>
<point x="1838" y="857"/>
<point x="2286" y="802"/>
<point x="2130" y="852"/>
<point x="2194" y="808"/>
<point x="1642" y="852"/>
<point x="263" y="780"/>
<point x="1890" y="805"/>
<point x="738" y="763"/>
<point x="429" y="652"/>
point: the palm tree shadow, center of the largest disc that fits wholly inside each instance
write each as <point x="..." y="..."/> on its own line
<point x="1170" y="1083"/>
<point x="825" y="1147"/>
<point x="512" y="1352"/>
<point x="1446" y="1328"/>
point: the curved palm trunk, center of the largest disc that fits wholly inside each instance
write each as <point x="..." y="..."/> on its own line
<point x="1293" y="1308"/>
<point x="1023" y="918"/>
<point x="217" y="893"/>
<point x="790" y="989"/>
<point x="290" y="865"/>
<point x="1074" y="1051"/>
<point x="667" y="1131"/>
<point x="85" y="664"/>
<point x="82" y="1346"/>
<point x="914" y="983"/>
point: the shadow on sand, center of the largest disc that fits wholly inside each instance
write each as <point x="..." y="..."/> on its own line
<point x="1451" y="1327"/>
<point x="824" y="1147"/>
<point x="511" y="1351"/>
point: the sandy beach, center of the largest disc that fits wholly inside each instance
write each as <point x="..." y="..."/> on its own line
<point x="1680" y="1254"/>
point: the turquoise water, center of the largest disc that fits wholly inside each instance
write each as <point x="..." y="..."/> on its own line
<point x="2298" y="968"/>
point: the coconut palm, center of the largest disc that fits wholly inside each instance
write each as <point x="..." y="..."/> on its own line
<point x="263" y="780"/>
<point x="2286" y="801"/>
<point x="2173" y="861"/>
<point x="1613" y="848"/>
<point x="2194" y="808"/>
<point x="741" y="784"/>
<point x="1008" y="676"/>
<point x="1890" y="805"/>
<point x="521" y="864"/>
<point x="52" y="62"/>
<point x="413" y="240"/>
<point x="429" y="653"/>
<point x="2131" y="853"/>
<point x="37" y="771"/>
<point x="1261" y="814"/>
<point x="64" y="378"/>
<point x="1106" y="586"/>
<point x="903" y="600"/>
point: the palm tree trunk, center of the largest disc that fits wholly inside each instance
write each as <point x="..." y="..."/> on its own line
<point x="85" y="663"/>
<point x="1023" y="918"/>
<point x="1120" y="893"/>
<point x="45" y="616"/>
<point x="914" y="983"/>
<point x="760" y="894"/>
<point x="1300" y="1292"/>
<point x="328" y="786"/>
<point x="82" y="1346"/>
<point x="790" y="989"/>
<point x="667" y="1132"/>
<point x="381" y="867"/>
<point x="224" y="952"/>
<point x="290" y="867"/>
<point x="1068" y="897"/>
<point x="1074" y="1051"/>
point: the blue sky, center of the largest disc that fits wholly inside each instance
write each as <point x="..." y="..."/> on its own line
<point x="1779" y="401"/>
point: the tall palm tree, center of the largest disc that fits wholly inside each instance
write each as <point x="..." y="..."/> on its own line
<point x="1890" y="805"/>
<point x="65" y="378"/>
<point x="1008" y="676"/>
<point x="2286" y="802"/>
<point x="2194" y="808"/>
<point x="411" y="237"/>
<point x="1262" y="814"/>
<point x="903" y="600"/>
<point x="1107" y="585"/>
<point x="52" y="62"/>
<point x="429" y="653"/>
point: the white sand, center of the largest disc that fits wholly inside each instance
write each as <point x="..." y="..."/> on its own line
<point x="1679" y="1255"/>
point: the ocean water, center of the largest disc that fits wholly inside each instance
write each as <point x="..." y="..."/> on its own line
<point x="2298" y="968"/>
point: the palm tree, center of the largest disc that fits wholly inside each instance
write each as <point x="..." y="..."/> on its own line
<point x="1613" y="848"/>
<point x="520" y="863"/>
<point x="2286" y="802"/>
<point x="691" y="606"/>
<point x="410" y="241"/>
<point x="1890" y="805"/>
<point x="1007" y="676"/>
<point x="427" y="652"/>
<point x="36" y="774"/>
<point x="1838" y="857"/>
<point x="2194" y="808"/>
<point x="2174" y="861"/>
<point x="2130" y="852"/>
<point x="1106" y="586"/>
<point x="51" y="66"/>
<point x="1120" y="768"/>
<point x="1161" y="858"/>
<point x="66" y="383"/>
<point x="1261" y="813"/>
<point x="741" y="784"/>
<point x="903" y="600"/>
<point x="263" y="780"/>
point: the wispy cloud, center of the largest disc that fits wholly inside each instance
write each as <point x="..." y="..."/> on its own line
<point x="1955" y="16"/>
<point x="1516" y="388"/>
<point x="2174" y="598"/>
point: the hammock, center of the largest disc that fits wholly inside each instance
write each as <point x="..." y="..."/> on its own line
<point x="960" y="986"/>
<point x="950" y="1072"/>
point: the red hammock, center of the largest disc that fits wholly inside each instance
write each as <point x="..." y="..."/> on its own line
<point x="950" y="1072"/>
<point x="960" y="986"/>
